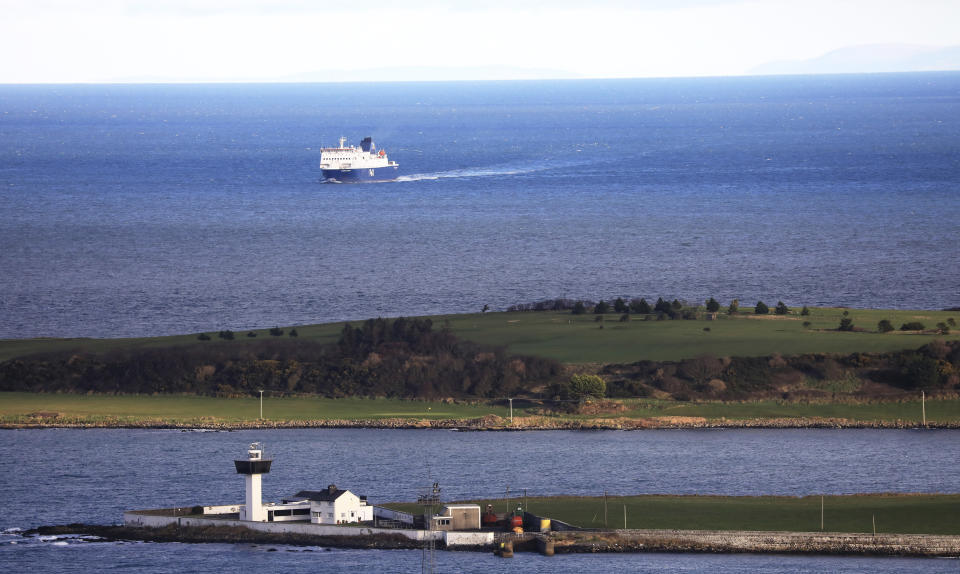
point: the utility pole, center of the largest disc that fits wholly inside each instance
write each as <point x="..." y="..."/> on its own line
<point x="605" y="508"/>
<point x="923" y="405"/>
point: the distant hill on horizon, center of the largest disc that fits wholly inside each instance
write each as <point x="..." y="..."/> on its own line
<point x="870" y="58"/>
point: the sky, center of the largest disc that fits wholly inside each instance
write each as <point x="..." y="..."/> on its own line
<point x="47" y="41"/>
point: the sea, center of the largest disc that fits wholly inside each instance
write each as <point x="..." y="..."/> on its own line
<point x="140" y="210"/>
<point x="143" y="210"/>
<point x="61" y="476"/>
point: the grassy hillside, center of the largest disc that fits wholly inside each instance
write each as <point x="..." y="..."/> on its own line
<point x="579" y="338"/>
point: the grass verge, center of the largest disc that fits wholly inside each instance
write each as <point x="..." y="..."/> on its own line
<point x="893" y="513"/>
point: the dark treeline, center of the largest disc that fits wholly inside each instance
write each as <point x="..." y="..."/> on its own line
<point x="389" y="358"/>
<point x="933" y="367"/>
<point x="662" y="308"/>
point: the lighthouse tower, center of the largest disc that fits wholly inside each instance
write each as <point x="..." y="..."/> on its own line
<point x="252" y="467"/>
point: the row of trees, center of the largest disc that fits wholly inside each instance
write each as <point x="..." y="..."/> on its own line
<point x="380" y="357"/>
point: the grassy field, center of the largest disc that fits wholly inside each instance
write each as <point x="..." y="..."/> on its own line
<point x="903" y="514"/>
<point x="579" y="338"/>
<point x="16" y="408"/>
<point x="186" y="409"/>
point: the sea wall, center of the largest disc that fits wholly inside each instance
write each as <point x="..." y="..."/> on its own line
<point x="761" y="542"/>
<point x="141" y="519"/>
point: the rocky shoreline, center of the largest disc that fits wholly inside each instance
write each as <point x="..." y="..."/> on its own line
<point x="614" y="541"/>
<point x="487" y="423"/>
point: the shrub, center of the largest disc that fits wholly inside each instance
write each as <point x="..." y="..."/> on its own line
<point x="276" y="332"/>
<point x="734" y="307"/>
<point x="579" y="308"/>
<point x="226" y="335"/>
<point x="203" y="337"/>
<point x="884" y="326"/>
<point x="805" y="311"/>
<point x="293" y="333"/>
<point x="846" y="324"/>
<point x="712" y="305"/>
<point x="583" y="386"/>
<point x="781" y="308"/>
<point x="761" y="308"/>
<point x="951" y="321"/>
<point x="943" y="328"/>
<point x="251" y="334"/>
<point x="912" y="326"/>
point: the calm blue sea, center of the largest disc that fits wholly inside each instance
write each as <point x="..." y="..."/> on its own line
<point x="147" y="210"/>
<point x="63" y="476"/>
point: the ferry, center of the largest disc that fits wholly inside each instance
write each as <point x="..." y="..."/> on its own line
<point x="354" y="164"/>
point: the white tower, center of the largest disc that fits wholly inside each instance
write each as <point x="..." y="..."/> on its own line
<point x="252" y="468"/>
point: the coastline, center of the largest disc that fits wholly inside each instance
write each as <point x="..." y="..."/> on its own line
<point x="611" y="541"/>
<point x="488" y="423"/>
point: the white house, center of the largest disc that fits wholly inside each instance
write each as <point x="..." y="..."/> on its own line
<point x="335" y="506"/>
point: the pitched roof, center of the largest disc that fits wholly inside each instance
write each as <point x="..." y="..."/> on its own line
<point x="324" y="495"/>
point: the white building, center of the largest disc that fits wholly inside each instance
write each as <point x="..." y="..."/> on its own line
<point x="334" y="506"/>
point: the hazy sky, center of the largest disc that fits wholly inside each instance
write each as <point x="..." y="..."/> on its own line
<point x="211" y="40"/>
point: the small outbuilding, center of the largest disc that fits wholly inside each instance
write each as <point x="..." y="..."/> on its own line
<point x="457" y="517"/>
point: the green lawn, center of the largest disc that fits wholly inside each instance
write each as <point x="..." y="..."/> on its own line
<point x="194" y="409"/>
<point x="579" y="339"/>
<point x="16" y="408"/>
<point x="914" y="514"/>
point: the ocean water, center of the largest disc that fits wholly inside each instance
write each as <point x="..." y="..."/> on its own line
<point x="91" y="476"/>
<point x="148" y="210"/>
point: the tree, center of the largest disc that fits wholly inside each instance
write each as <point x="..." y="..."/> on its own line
<point x="579" y="308"/>
<point x="620" y="306"/>
<point x="485" y="308"/>
<point x="676" y="305"/>
<point x="884" y="326"/>
<point x="640" y="306"/>
<point x="293" y="333"/>
<point x="734" y="307"/>
<point x="913" y="326"/>
<point x="781" y="309"/>
<point x="584" y="386"/>
<point x="712" y="305"/>
<point x="761" y="308"/>
<point x="804" y="312"/>
<point x="846" y="324"/>
<point x="276" y="332"/>
<point x="601" y="307"/>
<point x="661" y="306"/>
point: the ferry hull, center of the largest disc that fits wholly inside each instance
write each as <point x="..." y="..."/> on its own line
<point x="361" y="175"/>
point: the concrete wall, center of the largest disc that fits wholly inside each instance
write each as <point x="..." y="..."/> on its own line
<point x="156" y="521"/>
<point x="388" y="514"/>
<point x="223" y="509"/>
<point x="468" y="538"/>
